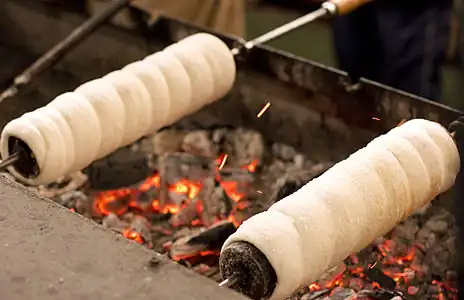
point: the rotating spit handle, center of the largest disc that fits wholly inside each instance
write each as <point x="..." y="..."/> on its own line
<point x="344" y="7"/>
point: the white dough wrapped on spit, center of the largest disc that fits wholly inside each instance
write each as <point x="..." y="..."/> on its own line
<point x="198" y="71"/>
<point x="157" y="87"/>
<point x="178" y="81"/>
<point x="356" y="201"/>
<point x="85" y="126"/>
<point x="41" y="129"/>
<point x="114" y="111"/>
<point x="137" y="104"/>
<point x="24" y="130"/>
<point x="219" y="58"/>
<point x="110" y="110"/>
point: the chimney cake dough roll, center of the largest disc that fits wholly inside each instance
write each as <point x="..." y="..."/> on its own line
<point x="157" y="87"/>
<point x="123" y="106"/>
<point x="137" y="104"/>
<point x="178" y="81"/>
<point x="354" y="202"/>
<point x="110" y="111"/>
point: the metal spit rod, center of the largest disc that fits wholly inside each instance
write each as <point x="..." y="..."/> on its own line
<point x="279" y="31"/>
<point x="328" y="8"/>
<point x="331" y="7"/>
<point x="9" y="161"/>
<point x="229" y="282"/>
<point x="77" y="36"/>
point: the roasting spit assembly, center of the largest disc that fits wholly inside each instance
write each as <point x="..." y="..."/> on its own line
<point x="37" y="151"/>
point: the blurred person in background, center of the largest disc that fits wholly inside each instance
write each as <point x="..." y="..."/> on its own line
<point x="400" y="43"/>
<point x="224" y="16"/>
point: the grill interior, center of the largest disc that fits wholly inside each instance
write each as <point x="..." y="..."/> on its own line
<point x="183" y="190"/>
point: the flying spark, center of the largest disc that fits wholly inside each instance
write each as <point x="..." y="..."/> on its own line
<point x="223" y="162"/>
<point x="263" y="110"/>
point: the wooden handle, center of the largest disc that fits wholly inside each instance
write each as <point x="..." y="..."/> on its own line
<point x="346" y="6"/>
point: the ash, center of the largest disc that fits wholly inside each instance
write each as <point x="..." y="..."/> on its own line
<point x="182" y="193"/>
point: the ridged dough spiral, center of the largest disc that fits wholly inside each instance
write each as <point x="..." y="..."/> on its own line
<point x="354" y="202"/>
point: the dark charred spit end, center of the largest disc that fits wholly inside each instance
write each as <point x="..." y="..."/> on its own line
<point x="257" y="278"/>
<point x="456" y="125"/>
<point x="26" y="165"/>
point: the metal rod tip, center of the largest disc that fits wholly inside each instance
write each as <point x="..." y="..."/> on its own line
<point x="228" y="282"/>
<point x="9" y="161"/>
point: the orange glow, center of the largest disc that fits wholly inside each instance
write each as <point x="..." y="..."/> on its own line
<point x="251" y="167"/>
<point x="203" y="253"/>
<point x="133" y="235"/>
<point x="232" y="219"/>
<point x="375" y="285"/>
<point x="122" y="200"/>
<point x="398" y="267"/>
<point x="314" y="287"/>
<point x="153" y="181"/>
<point x="110" y="202"/>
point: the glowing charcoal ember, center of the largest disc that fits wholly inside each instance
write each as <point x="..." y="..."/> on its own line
<point x="133" y="235"/>
<point x="251" y="167"/>
<point x="112" y="221"/>
<point x="413" y="290"/>
<point x="395" y="271"/>
<point x="244" y="146"/>
<point x="151" y="182"/>
<point x="202" y="243"/>
<point x="187" y="214"/>
<point x="181" y="250"/>
<point x="116" y="201"/>
<point x="189" y="200"/>
<point x="182" y="173"/>
<point x="141" y="226"/>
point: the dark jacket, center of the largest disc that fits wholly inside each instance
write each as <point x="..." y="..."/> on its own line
<point x="399" y="43"/>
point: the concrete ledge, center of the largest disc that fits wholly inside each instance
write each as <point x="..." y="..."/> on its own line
<point x="48" y="252"/>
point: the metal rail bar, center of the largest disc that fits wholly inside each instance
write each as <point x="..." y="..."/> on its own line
<point x="77" y="36"/>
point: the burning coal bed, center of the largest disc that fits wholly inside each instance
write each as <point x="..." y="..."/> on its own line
<point x="204" y="183"/>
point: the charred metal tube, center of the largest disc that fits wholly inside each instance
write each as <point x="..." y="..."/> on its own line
<point x="250" y="270"/>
